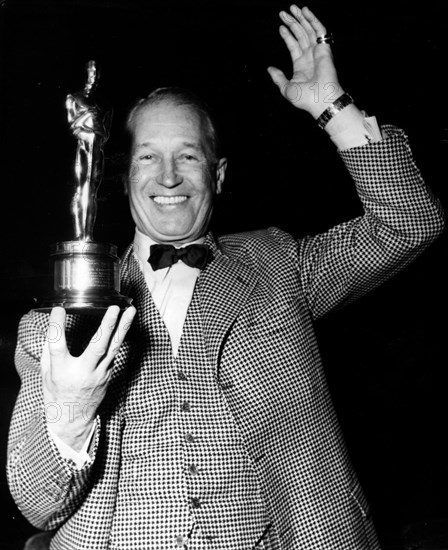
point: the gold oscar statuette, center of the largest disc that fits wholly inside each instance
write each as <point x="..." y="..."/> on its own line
<point x="85" y="273"/>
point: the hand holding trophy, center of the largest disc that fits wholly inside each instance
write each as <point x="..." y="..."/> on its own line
<point x="86" y="276"/>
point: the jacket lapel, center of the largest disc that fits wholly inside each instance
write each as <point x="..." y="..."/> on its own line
<point x="133" y="285"/>
<point x="223" y="287"/>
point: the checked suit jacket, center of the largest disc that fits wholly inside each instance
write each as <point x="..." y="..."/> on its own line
<point x="259" y="298"/>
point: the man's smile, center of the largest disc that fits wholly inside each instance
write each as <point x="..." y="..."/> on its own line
<point x="167" y="200"/>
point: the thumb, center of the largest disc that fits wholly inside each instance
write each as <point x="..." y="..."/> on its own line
<point x="45" y="357"/>
<point x="278" y="77"/>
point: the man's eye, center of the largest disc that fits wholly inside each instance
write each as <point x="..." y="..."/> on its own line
<point x="147" y="157"/>
<point x="189" y="158"/>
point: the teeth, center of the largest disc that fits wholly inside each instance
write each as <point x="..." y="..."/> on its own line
<point x="160" y="199"/>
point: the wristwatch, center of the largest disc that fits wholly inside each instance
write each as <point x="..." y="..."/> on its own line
<point x="333" y="109"/>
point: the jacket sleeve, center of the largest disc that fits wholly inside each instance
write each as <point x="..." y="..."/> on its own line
<point x="401" y="218"/>
<point x="46" y="487"/>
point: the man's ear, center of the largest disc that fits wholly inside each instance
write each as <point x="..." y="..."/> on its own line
<point x="220" y="174"/>
<point x="125" y="181"/>
<point x="129" y="172"/>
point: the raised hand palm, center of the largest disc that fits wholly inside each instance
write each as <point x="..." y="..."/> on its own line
<point x="314" y="80"/>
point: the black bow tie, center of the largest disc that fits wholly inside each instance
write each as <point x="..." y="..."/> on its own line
<point x="165" y="255"/>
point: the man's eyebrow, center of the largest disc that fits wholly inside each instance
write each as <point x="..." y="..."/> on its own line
<point x="142" y="145"/>
<point x="184" y="144"/>
<point x="192" y="145"/>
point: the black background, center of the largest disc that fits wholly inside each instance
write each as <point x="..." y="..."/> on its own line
<point x="385" y="356"/>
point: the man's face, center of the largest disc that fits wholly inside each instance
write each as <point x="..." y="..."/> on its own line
<point x="171" y="187"/>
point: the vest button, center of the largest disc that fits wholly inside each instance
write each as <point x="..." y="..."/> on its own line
<point x="195" y="502"/>
<point x="180" y="541"/>
<point x="182" y="376"/>
<point x="189" y="437"/>
<point x="193" y="469"/>
<point x="186" y="406"/>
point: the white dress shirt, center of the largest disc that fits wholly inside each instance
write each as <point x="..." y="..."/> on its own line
<point x="171" y="287"/>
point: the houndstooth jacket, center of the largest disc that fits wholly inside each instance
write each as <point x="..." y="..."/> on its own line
<point x="259" y="298"/>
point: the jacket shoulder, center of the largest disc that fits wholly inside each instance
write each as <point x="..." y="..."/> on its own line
<point x="261" y="246"/>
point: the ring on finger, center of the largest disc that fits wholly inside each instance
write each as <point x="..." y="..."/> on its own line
<point x="325" y="39"/>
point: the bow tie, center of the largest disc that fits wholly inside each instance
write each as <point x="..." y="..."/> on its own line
<point x="165" y="255"/>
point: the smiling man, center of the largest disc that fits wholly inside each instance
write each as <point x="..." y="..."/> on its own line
<point x="174" y="175"/>
<point x="206" y="423"/>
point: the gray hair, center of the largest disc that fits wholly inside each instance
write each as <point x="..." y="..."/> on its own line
<point x="181" y="96"/>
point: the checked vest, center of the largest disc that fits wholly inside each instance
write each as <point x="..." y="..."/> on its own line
<point x="186" y="480"/>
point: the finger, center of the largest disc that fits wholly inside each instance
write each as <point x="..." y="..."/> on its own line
<point x="55" y="336"/>
<point x="46" y="366"/>
<point x="45" y="362"/>
<point x="291" y="43"/>
<point x="296" y="29"/>
<point x="297" y="12"/>
<point x="290" y="90"/>
<point x="118" y="337"/>
<point x="278" y="77"/>
<point x="314" y="21"/>
<point x="99" y="343"/>
<point x="122" y="329"/>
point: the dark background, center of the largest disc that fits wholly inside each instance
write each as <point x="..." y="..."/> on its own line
<point x="385" y="355"/>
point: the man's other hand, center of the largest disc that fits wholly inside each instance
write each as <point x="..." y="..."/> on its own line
<point x="76" y="386"/>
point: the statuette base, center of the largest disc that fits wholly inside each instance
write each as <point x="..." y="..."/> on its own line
<point x="86" y="278"/>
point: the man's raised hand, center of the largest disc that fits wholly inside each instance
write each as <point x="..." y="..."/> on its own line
<point x="314" y="83"/>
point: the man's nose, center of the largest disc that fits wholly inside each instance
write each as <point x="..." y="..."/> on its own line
<point x="169" y="175"/>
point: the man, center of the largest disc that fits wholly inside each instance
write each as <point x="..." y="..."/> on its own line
<point x="207" y="423"/>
